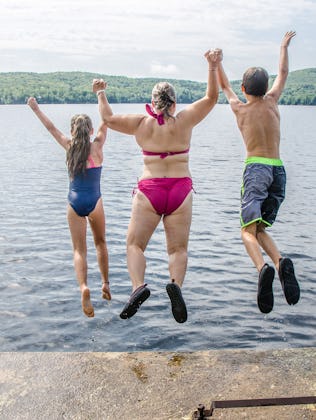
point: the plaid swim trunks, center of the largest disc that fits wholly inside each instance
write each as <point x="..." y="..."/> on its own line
<point x="262" y="191"/>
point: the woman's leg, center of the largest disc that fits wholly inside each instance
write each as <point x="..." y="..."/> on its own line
<point x="177" y="229"/>
<point x="144" y="221"/>
<point x="97" y="224"/>
<point x="78" y="231"/>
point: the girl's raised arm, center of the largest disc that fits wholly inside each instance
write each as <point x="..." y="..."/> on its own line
<point x="57" y="134"/>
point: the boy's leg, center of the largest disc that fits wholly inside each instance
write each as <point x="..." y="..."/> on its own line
<point x="252" y="245"/>
<point x="288" y="280"/>
<point x="265" y="298"/>
<point x="284" y="266"/>
<point x="268" y="245"/>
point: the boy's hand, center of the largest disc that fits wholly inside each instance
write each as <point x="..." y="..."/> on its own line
<point x="287" y="38"/>
<point x="214" y="57"/>
<point x="32" y="103"/>
<point x="98" y="84"/>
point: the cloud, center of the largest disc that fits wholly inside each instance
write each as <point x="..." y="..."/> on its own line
<point x="158" y="69"/>
<point x="139" y="38"/>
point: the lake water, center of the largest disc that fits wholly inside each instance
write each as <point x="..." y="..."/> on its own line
<point x="40" y="300"/>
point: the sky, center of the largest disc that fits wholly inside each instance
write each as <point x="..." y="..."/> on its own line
<point x="161" y="39"/>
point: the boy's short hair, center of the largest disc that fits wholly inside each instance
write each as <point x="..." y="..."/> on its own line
<point x="255" y="81"/>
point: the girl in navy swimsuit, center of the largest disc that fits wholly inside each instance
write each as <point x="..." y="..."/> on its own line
<point x="164" y="191"/>
<point x="84" y="161"/>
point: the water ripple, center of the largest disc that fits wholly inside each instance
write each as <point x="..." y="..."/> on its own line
<point x="41" y="308"/>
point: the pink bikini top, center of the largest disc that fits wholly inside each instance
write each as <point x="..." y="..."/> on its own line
<point x="160" y="120"/>
<point x="164" y="154"/>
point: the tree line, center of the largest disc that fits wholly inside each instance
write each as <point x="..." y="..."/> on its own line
<point x="75" y="87"/>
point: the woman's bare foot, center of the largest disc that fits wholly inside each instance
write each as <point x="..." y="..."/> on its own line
<point x="106" y="294"/>
<point x="86" y="303"/>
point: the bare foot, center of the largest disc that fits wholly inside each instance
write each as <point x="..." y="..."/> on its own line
<point x="106" y="294"/>
<point x="86" y="303"/>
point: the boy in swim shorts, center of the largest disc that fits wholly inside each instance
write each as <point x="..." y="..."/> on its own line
<point x="264" y="177"/>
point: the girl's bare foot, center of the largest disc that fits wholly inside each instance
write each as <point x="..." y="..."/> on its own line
<point x="106" y="294"/>
<point x="86" y="303"/>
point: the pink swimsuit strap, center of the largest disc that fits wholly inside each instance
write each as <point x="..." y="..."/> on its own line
<point x="159" y="117"/>
<point x="164" y="154"/>
<point x="91" y="161"/>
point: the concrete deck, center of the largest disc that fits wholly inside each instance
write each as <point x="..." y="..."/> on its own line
<point x="154" y="385"/>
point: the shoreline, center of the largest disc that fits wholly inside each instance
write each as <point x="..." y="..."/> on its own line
<point x="155" y="385"/>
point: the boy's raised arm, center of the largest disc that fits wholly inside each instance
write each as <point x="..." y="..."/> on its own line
<point x="279" y="82"/>
<point x="226" y="86"/>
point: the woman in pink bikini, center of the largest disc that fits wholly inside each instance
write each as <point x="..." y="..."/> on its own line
<point x="165" y="186"/>
<point x="84" y="162"/>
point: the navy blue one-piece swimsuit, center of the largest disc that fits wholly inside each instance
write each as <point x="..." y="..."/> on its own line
<point x="84" y="191"/>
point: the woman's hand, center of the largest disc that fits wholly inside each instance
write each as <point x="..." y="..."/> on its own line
<point x="214" y="57"/>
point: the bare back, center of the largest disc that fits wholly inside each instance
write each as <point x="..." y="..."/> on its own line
<point x="173" y="136"/>
<point x="259" y="123"/>
<point x="96" y="153"/>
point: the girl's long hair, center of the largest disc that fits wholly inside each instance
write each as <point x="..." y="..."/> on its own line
<point x="79" y="150"/>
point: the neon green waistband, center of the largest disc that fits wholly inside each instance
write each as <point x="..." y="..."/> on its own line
<point x="263" y="161"/>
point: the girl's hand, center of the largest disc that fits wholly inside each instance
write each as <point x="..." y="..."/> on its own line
<point x="32" y="103"/>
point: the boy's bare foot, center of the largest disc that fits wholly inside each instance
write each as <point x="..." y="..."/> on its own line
<point x="106" y="294"/>
<point x="86" y="303"/>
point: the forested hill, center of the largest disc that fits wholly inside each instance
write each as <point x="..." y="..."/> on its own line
<point x="75" y="87"/>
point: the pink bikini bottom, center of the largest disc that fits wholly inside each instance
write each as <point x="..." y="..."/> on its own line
<point x="165" y="194"/>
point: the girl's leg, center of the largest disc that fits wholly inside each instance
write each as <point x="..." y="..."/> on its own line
<point x="97" y="223"/>
<point x="144" y="221"/>
<point x="78" y="230"/>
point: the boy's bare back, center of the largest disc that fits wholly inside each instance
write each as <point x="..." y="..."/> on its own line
<point x="258" y="119"/>
<point x="259" y="124"/>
